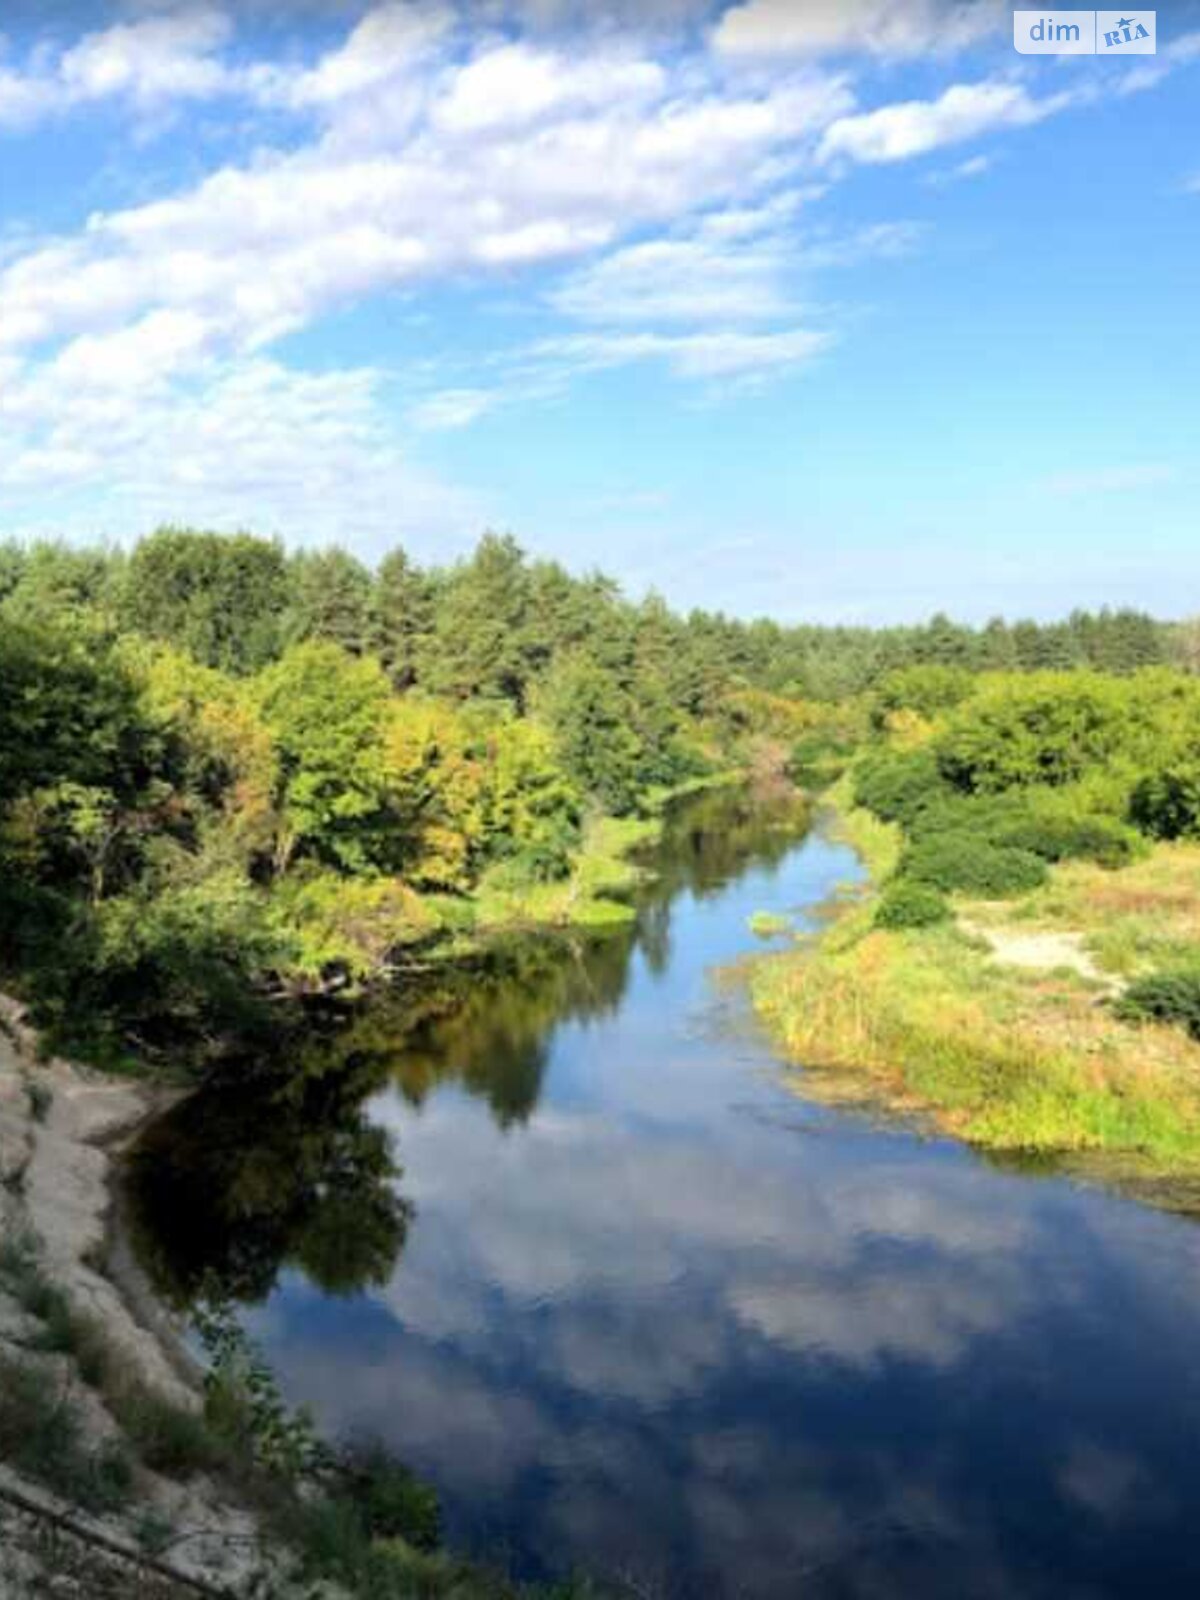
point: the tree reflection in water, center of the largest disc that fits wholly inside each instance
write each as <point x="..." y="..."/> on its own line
<point x="281" y="1167"/>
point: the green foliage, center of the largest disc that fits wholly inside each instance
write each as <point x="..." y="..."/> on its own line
<point x="68" y="712"/>
<point x="391" y="1502"/>
<point x="220" y="597"/>
<point x="897" y="784"/>
<point x="1053" y="824"/>
<point x="357" y="927"/>
<point x="532" y="810"/>
<point x="1047" y="728"/>
<point x="243" y="1404"/>
<point x="1064" y="837"/>
<point x="327" y="714"/>
<point x="970" y="863"/>
<point x="1169" y="996"/>
<point x="1166" y="804"/>
<point x="908" y="903"/>
<point x="590" y="716"/>
<point x="167" y="1438"/>
<point x="226" y="772"/>
<point x="926" y="689"/>
<point x="331" y="598"/>
<point x="403" y="615"/>
<point x="481" y="623"/>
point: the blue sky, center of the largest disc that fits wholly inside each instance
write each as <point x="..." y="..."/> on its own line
<point x="834" y="311"/>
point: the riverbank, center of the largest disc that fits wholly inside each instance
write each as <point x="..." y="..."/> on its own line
<point x="99" y="1409"/>
<point x="597" y="892"/>
<point x="122" y="1472"/>
<point x="1022" y="1057"/>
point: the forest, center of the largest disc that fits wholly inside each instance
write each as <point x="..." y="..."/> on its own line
<point x="231" y="774"/>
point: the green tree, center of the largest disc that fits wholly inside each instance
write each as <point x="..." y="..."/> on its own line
<point x="532" y="807"/>
<point x="219" y="597"/>
<point x="331" y="598"/>
<point x="591" y="718"/>
<point x="328" y="714"/>
<point x="404" y="606"/>
<point x="480" y="649"/>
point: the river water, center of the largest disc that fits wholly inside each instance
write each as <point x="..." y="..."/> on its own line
<point x="637" y="1306"/>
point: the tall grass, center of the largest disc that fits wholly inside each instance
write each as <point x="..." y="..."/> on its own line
<point x="1007" y="1060"/>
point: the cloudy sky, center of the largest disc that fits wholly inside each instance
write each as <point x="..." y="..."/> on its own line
<point x="843" y="311"/>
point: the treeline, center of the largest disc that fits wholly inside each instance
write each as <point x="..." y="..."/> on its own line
<point x="491" y="626"/>
<point x="228" y="772"/>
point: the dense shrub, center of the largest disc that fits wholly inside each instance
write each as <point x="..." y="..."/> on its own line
<point x="926" y="689"/>
<point x="982" y="815"/>
<point x="1171" y="996"/>
<point x="1045" y="728"/>
<point x="1166" y="805"/>
<point x="907" y="903"/>
<point x="1064" y="838"/>
<point x="968" y="862"/>
<point x="897" y="784"/>
<point x="1037" y="821"/>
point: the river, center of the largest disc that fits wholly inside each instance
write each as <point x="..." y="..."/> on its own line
<point x="637" y="1306"/>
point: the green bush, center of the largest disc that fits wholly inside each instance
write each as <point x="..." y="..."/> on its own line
<point x="1047" y="824"/>
<point x="926" y="689"/>
<point x="982" y="815"/>
<point x="898" y="784"/>
<point x="1169" y="996"/>
<point x="1066" y="838"/>
<point x="909" y="904"/>
<point x="968" y="862"/>
<point x="1166" y="805"/>
<point x="390" y="1500"/>
<point x="1044" y="728"/>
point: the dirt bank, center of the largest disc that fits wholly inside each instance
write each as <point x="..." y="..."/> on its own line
<point x="60" y="1126"/>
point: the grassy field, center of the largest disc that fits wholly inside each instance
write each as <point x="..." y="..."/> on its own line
<point x="1147" y="915"/>
<point x="1007" y="1058"/>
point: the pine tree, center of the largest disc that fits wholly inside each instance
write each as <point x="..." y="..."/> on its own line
<point x="402" y="618"/>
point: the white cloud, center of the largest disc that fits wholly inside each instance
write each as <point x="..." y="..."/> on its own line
<point x="451" y="408"/>
<point x="419" y="152"/>
<point x="873" y="241"/>
<point x="515" y="85"/>
<point x="876" y="27"/>
<point x="134" y="356"/>
<point x="151" y="63"/>
<point x="391" y="40"/>
<point x="159" y="58"/>
<point x="237" y="444"/>
<point x="23" y="100"/>
<point x="678" y="280"/>
<point x="723" y="353"/>
<point x="913" y="127"/>
<point x="422" y="165"/>
<point x="718" y="277"/>
<point x="973" y="167"/>
<point x="258" y="250"/>
<point x="1149" y="73"/>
